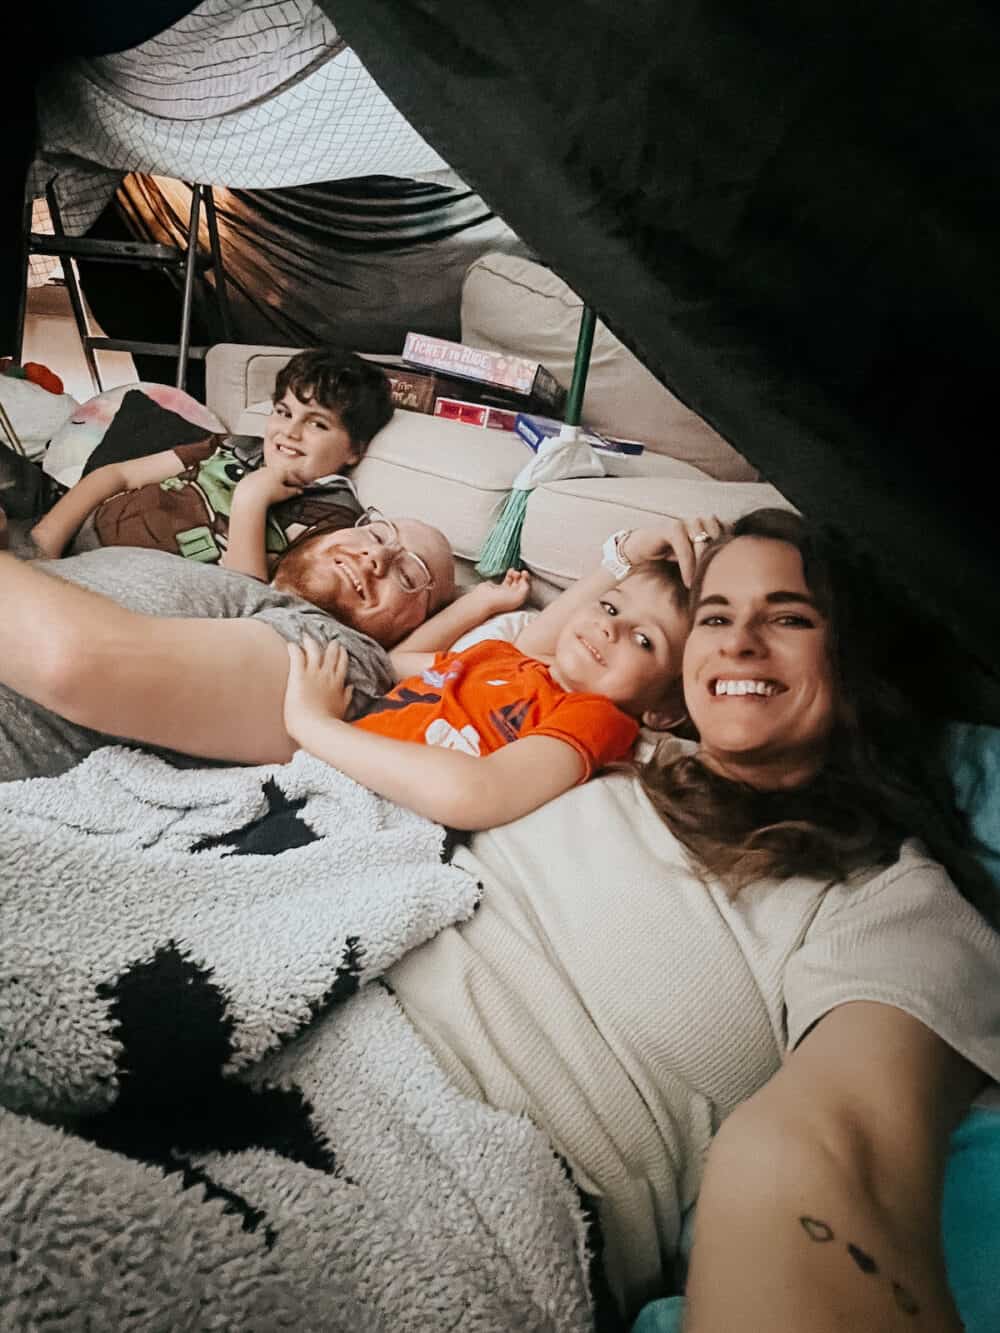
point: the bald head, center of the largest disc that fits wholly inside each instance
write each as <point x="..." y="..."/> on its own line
<point x="355" y="577"/>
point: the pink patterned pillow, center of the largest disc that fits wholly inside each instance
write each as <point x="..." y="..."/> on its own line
<point x="127" y="422"/>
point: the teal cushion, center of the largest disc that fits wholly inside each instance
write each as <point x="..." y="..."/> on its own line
<point x="662" y="1316"/>
<point x="971" y="1220"/>
<point x="972" y="754"/>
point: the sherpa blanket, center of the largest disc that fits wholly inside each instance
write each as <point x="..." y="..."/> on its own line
<point x="196" y="1134"/>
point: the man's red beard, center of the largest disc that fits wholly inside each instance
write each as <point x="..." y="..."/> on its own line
<point x="300" y="572"/>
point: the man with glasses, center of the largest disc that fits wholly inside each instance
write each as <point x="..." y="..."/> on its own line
<point x="375" y="576"/>
<point x="130" y="643"/>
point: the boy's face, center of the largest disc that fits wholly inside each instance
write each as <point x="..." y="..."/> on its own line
<point x="628" y="644"/>
<point x="304" y="441"/>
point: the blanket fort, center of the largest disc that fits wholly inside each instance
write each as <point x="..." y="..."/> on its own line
<point x="208" y="1119"/>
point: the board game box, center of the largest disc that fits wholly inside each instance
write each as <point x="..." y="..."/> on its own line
<point x="418" y="389"/>
<point x="527" y="379"/>
<point x="476" y="414"/>
<point x="534" y="429"/>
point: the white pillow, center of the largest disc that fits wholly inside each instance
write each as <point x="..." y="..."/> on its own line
<point x="514" y="304"/>
<point x="34" y="412"/>
<point x="163" y="418"/>
<point x="506" y="626"/>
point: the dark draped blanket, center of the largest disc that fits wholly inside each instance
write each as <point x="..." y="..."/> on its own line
<point x="789" y="211"/>
<point x="358" y="262"/>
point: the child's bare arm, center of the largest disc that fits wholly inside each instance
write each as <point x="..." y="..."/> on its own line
<point x="670" y="539"/>
<point x="58" y="527"/>
<point x="447" y="786"/>
<point x="246" y="544"/>
<point x="468" y="612"/>
<point x="409" y="663"/>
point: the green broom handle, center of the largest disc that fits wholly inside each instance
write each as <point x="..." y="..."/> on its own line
<point x="581" y="364"/>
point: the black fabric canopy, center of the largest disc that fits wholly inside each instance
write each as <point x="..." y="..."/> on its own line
<point x="356" y="262"/>
<point x="789" y="211"/>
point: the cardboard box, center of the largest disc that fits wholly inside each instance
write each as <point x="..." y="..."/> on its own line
<point x="527" y="379"/>
<point x="534" y="429"/>
<point x="475" y="414"/>
<point x="418" y="390"/>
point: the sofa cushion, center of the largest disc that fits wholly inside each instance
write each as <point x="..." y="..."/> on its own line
<point x="567" y="521"/>
<point x="458" y="477"/>
<point x="453" y="476"/>
<point x="513" y="304"/>
<point x="238" y="375"/>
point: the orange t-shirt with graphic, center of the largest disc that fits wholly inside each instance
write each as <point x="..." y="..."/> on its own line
<point x="490" y="694"/>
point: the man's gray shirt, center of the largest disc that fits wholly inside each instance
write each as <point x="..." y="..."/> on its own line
<point x="34" y="742"/>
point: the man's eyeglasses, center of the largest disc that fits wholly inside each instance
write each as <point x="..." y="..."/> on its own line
<point x="406" y="567"/>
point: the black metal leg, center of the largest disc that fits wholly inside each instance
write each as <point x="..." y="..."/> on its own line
<point x="221" y="293"/>
<point x="190" y="263"/>
<point x="22" y="297"/>
<point x="75" y="294"/>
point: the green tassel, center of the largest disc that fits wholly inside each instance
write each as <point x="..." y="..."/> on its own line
<point x="502" y="548"/>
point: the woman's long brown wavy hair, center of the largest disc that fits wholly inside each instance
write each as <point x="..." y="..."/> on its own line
<point x="883" y="779"/>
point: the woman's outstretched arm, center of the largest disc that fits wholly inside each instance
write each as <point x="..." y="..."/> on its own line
<point x="210" y="688"/>
<point x="820" y="1209"/>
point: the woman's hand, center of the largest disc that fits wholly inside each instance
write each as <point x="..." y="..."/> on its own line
<point x="680" y="540"/>
<point x="316" y="688"/>
<point x="509" y="595"/>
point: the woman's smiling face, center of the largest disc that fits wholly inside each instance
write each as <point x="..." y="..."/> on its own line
<point x="758" y="677"/>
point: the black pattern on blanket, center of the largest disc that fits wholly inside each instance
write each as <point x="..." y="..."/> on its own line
<point x="227" y="1145"/>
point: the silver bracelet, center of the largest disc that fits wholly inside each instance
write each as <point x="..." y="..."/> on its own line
<point x="613" y="557"/>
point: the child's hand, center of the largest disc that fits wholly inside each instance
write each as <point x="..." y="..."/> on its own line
<point x="267" y="486"/>
<point x="316" y="687"/>
<point x="509" y="595"/>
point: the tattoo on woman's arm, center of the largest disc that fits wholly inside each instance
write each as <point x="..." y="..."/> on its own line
<point x="821" y="1233"/>
<point x="864" y="1261"/>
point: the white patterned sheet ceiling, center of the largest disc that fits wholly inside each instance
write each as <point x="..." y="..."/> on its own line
<point x="251" y="97"/>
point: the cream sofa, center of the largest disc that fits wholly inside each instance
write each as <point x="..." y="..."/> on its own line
<point x="457" y="476"/>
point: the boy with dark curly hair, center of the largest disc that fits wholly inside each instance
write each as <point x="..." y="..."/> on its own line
<point x="236" y="500"/>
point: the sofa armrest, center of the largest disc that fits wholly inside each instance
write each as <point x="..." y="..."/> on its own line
<point x="240" y="374"/>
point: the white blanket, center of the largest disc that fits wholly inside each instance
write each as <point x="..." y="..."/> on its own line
<point x="234" y="1148"/>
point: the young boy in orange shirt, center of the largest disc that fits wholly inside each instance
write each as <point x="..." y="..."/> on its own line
<point x="503" y="728"/>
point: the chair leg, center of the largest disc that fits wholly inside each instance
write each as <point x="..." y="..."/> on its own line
<point x="25" y="264"/>
<point x="190" y="263"/>
<point x="221" y="293"/>
<point x="75" y="294"/>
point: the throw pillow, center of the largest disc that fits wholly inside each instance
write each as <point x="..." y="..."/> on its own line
<point x="35" y="413"/>
<point x="130" y="421"/>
